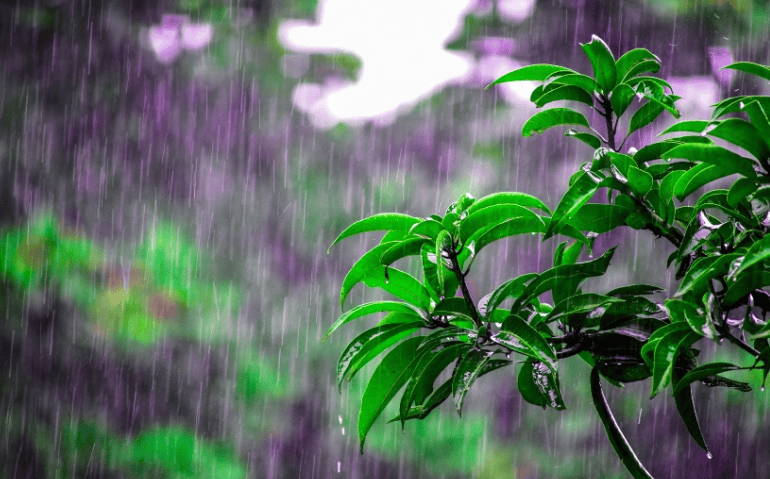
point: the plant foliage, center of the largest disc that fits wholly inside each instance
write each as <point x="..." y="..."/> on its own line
<point x="722" y="258"/>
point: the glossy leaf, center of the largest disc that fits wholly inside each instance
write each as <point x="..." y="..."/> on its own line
<point x="588" y="138"/>
<point x="631" y="58"/>
<point x="635" y="289"/>
<point x="511" y="288"/>
<point x="695" y="126"/>
<point x="744" y="284"/>
<point x="758" y="116"/>
<point x="547" y="381"/>
<point x="599" y="218"/>
<point x="703" y="270"/>
<point x="576" y="196"/>
<point x="666" y="352"/>
<point x="603" y="63"/>
<point x="537" y="72"/>
<point x="527" y="387"/>
<point x="686" y="407"/>
<point x="378" y="222"/>
<point x="367" y="345"/>
<point x="362" y="267"/>
<point x="761" y="71"/>
<point x="645" y="115"/>
<point x="374" y="307"/>
<point x="715" y="155"/>
<point x="759" y="252"/>
<point x="741" y="133"/>
<point x="622" y="96"/>
<point x="702" y="372"/>
<point x="471" y="365"/>
<point x="575" y="79"/>
<point x="685" y="311"/>
<point x="389" y="377"/>
<point x="443" y="242"/>
<point x="399" y="284"/>
<point x="492" y="215"/>
<point x="403" y="249"/>
<point x="510" y="227"/>
<point x="430" y="228"/>
<point x="543" y="120"/>
<point x="455" y="306"/>
<point x="579" y="303"/>
<point x="508" y="198"/>
<point x="615" y="435"/>
<point x="566" y="92"/>
<point x="645" y="66"/>
<point x="740" y="190"/>
<point x="528" y="338"/>
<point x="696" y="177"/>
<point x="639" y="180"/>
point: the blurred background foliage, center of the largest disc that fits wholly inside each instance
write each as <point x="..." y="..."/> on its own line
<point x="164" y="222"/>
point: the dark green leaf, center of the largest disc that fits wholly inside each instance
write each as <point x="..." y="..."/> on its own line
<point x="512" y="288"/>
<point x="378" y="222"/>
<point x="686" y="408"/>
<point x="744" y="284"/>
<point x="758" y="116"/>
<point x="527" y="387"/>
<point x="389" y="377"/>
<point x="686" y="312"/>
<point x="701" y="272"/>
<point x="538" y="72"/>
<point x="740" y="190"/>
<point x="759" y="252"/>
<point x="455" y="306"/>
<point x="615" y="435"/>
<point x="666" y="352"/>
<point x="602" y="62"/>
<point x="528" y="338"/>
<point x="547" y="381"/>
<point x="635" y="289"/>
<point x="543" y="120"/>
<point x="579" y="303"/>
<point x="702" y="372"/>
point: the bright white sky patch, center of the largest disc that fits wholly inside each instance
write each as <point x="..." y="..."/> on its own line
<point x="401" y="47"/>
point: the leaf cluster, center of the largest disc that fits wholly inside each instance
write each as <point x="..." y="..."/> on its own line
<point x="722" y="259"/>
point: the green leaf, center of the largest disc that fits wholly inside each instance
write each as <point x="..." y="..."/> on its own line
<point x="508" y="198"/>
<point x="376" y="345"/>
<point x="685" y="311"/>
<point x="425" y="374"/>
<point x="666" y="352"/>
<point x="648" y="350"/>
<point x="537" y="72"/>
<point x="403" y="248"/>
<point x="635" y="289"/>
<point x="378" y="222"/>
<point x="631" y="58"/>
<point x="633" y="82"/>
<point x="695" y="126"/>
<point x="454" y="306"/>
<point x="615" y="435"/>
<point x="389" y="377"/>
<point x="667" y="185"/>
<point x="744" y="284"/>
<point x="543" y="120"/>
<point x="575" y="79"/>
<point x="729" y="105"/>
<point x="375" y="307"/>
<point x="639" y="180"/>
<point x="645" y="115"/>
<point x="759" y="252"/>
<point x="599" y="218"/>
<point x="702" y="372"/>
<point x="510" y="227"/>
<point x="576" y="196"/>
<point x="399" y="284"/>
<point x="696" y="177"/>
<point x="492" y="215"/>
<point x="547" y="381"/>
<point x="602" y="62"/>
<point x="752" y="68"/>
<point x="758" y="116"/>
<point x="622" y="96"/>
<point x="741" y="133"/>
<point x="715" y="155"/>
<point x="171" y="448"/>
<point x="443" y="243"/>
<point x="471" y="365"/>
<point x="512" y="288"/>
<point x="686" y="408"/>
<point x="579" y="303"/>
<point x="642" y="67"/>
<point x="740" y="190"/>
<point x="355" y="351"/>
<point x="565" y="277"/>
<point x="588" y="138"/>
<point x="524" y="337"/>
<point x="703" y="270"/>
<point x="362" y="267"/>
<point x="566" y="92"/>
<point x="653" y="90"/>
<point x="527" y="387"/>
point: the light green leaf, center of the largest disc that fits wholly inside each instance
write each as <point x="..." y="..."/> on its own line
<point x="615" y="435"/>
<point x="576" y="196"/>
<point x="741" y="133"/>
<point x="443" y="243"/>
<point x="543" y="120"/>
<point x="508" y="198"/>
<point x="588" y="138"/>
<point x="362" y="267"/>
<point x="631" y="58"/>
<point x="759" y="252"/>
<point x="537" y="72"/>
<point x="378" y="222"/>
<point x="389" y="377"/>
<point x="696" y="177"/>
<point x="399" y="284"/>
<point x="761" y="71"/>
<point x="566" y="92"/>
<point x="403" y="248"/>
<point x="510" y="227"/>
<point x="471" y="365"/>
<point x="740" y="190"/>
<point x="758" y="116"/>
<point x="599" y="218"/>
<point x="642" y="67"/>
<point x="574" y="79"/>
<point x="512" y="288"/>
<point x="375" y="307"/>
<point x="645" y="115"/>
<point x="695" y="126"/>
<point x="639" y="180"/>
<point x="622" y="96"/>
<point x="454" y="306"/>
<point x="492" y="215"/>
<point x="602" y="62"/>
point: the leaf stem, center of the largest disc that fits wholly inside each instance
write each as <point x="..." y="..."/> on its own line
<point x="464" y="287"/>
